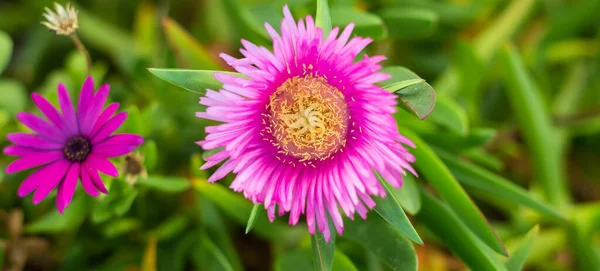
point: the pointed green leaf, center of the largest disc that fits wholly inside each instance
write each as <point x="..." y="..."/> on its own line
<point x="169" y="184"/>
<point x="409" y="196"/>
<point x="6" y="48"/>
<point x="196" y="81"/>
<point x="256" y="209"/>
<point x="150" y="153"/>
<point x="381" y="238"/>
<point x="497" y="186"/>
<point x="219" y="259"/>
<point x="517" y="259"/>
<point x="54" y="222"/>
<point x="447" y="226"/>
<point x="300" y="260"/>
<point x="323" y="19"/>
<point x="417" y="98"/>
<point x="323" y="251"/>
<point x="389" y="209"/>
<point x="438" y="175"/>
<point x="365" y="24"/>
<point x="410" y="23"/>
<point x="450" y="115"/>
<point x="189" y="52"/>
<point x="536" y="125"/>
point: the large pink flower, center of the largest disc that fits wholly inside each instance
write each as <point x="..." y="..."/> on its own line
<point x="307" y="129"/>
<point x="71" y="146"/>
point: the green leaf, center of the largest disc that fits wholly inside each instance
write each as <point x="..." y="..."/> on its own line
<point x="300" y="260"/>
<point x="238" y="208"/>
<point x="388" y="244"/>
<point x="409" y="22"/>
<point x="323" y="251"/>
<point x="252" y="219"/>
<point x="54" y="222"/>
<point x="6" y="48"/>
<point x="196" y="81"/>
<point x="13" y="96"/>
<point x="438" y="175"/>
<point x="409" y="196"/>
<point x="389" y="209"/>
<point x="536" y="125"/>
<point x="497" y="186"/>
<point x="416" y="98"/>
<point x="134" y="123"/>
<point x="169" y="184"/>
<point x="118" y="227"/>
<point x="188" y="51"/>
<point x="447" y="226"/>
<point x="150" y="154"/>
<point x="323" y="19"/>
<point x="171" y="227"/>
<point x="210" y="249"/>
<point x="517" y="259"/>
<point x="450" y="115"/>
<point x="454" y="142"/>
<point x="365" y="24"/>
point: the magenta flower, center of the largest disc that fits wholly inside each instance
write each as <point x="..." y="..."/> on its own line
<point x="307" y="128"/>
<point x="72" y="145"/>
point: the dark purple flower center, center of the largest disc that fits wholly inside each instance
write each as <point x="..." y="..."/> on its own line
<point x="308" y="118"/>
<point x="77" y="149"/>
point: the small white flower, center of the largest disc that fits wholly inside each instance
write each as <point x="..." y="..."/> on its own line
<point x="63" y="21"/>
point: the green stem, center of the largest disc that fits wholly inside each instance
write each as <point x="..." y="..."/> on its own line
<point x="81" y="48"/>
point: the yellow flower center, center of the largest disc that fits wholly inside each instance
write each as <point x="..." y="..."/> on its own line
<point x="308" y="118"/>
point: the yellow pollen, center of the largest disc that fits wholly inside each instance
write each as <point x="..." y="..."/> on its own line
<point x="308" y="118"/>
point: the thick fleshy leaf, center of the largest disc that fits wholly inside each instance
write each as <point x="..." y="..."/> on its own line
<point x="417" y="98"/>
<point x="536" y="126"/>
<point x="456" y="236"/>
<point x="189" y="52"/>
<point x="323" y="18"/>
<point x="6" y="48"/>
<point x="497" y="186"/>
<point x="196" y="81"/>
<point x="438" y="175"/>
<point x="517" y="258"/>
<point x="169" y="184"/>
<point x="389" y="208"/>
<point x="322" y="251"/>
<point x="409" y="196"/>
<point x="256" y="209"/>
<point x="450" y="115"/>
<point x="388" y="244"/>
<point x="410" y="23"/>
<point x="365" y="24"/>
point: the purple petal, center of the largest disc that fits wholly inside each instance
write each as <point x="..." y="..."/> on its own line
<point x="106" y="114"/>
<point x="85" y="99"/>
<point x="94" y="111"/>
<point x="66" y="189"/>
<point x="109" y="127"/>
<point x="48" y="110"/>
<point x="16" y="150"/>
<point x="34" y="160"/>
<point x="33" y="141"/>
<point x="86" y="182"/>
<point x="102" y="164"/>
<point x="66" y="106"/>
<point x="111" y="151"/>
<point x="96" y="179"/>
<point x="51" y="178"/>
<point x="41" y="127"/>
<point x="36" y="179"/>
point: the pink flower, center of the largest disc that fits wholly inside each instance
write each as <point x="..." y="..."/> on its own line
<point x="70" y="145"/>
<point x="307" y="128"/>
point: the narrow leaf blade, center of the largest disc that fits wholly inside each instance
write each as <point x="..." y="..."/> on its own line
<point x="197" y="81"/>
<point x="416" y="98"/>
<point x="252" y="219"/>
<point x="322" y="251"/>
<point x="323" y="19"/>
<point x="518" y="257"/>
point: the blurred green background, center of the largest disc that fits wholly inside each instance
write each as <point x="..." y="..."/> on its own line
<point x="517" y="123"/>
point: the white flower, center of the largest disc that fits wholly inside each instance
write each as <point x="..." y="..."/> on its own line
<point x="63" y="21"/>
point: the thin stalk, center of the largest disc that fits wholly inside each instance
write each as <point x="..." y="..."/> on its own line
<point x="81" y="48"/>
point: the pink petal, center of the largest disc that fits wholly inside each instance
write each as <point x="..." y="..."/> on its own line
<point x="34" y="160"/>
<point x="94" y="111"/>
<point x="41" y="127"/>
<point x="66" y="106"/>
<point x="122" y="139"/>
<point x="66" y="189"/>
<point x="111" y="151"/>
<point x="36" y="179"/>
<point x="33" y="141"/>
<point x="96" y="180"/>
<point x="106" y="114"/>
<point x="86" y="182"/>
<point x="52" y="178"/>
<point x="102" y="164"/>
<point x="85" y="99"/>
<point x="16" y="150"/>
<point x="109" y="127"/>
<point x="47" y="109"/>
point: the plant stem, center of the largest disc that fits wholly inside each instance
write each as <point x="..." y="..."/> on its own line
<point x="81" y="48"/>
